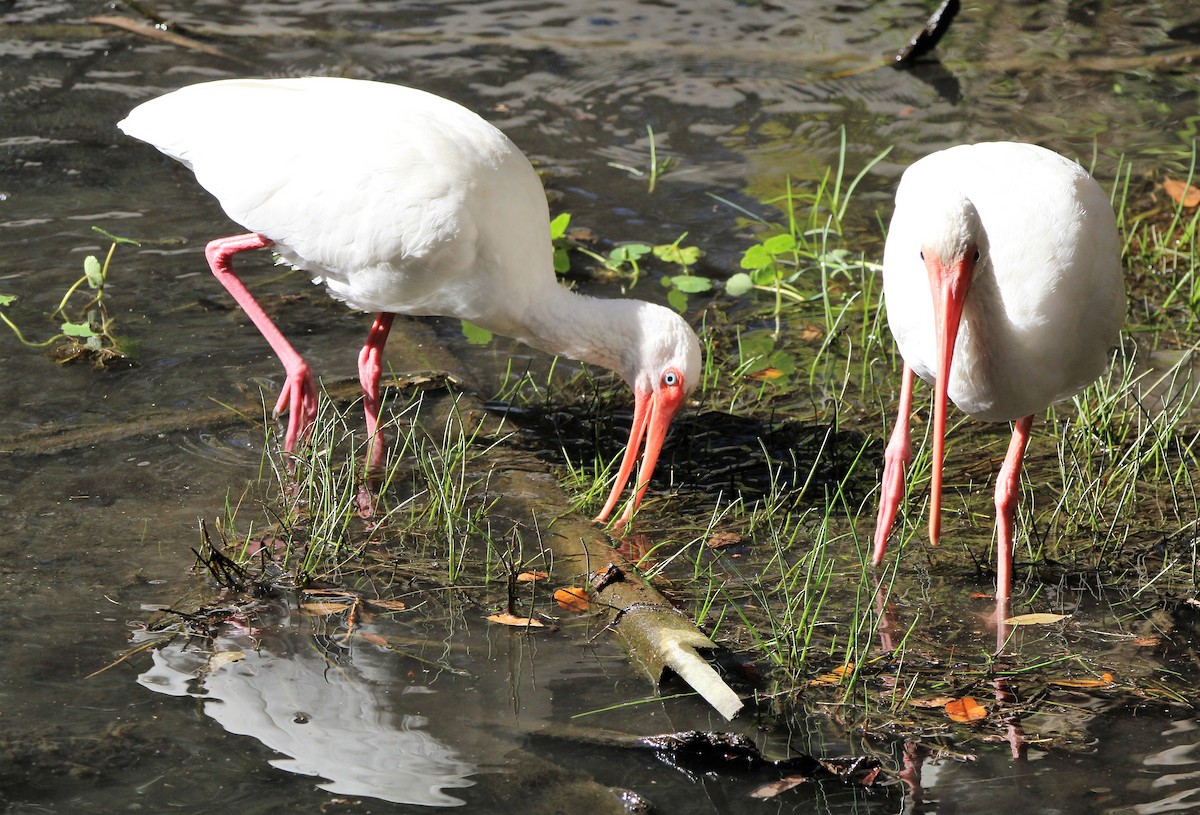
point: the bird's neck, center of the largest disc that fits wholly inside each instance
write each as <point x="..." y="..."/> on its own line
<point x="589" y="329"/>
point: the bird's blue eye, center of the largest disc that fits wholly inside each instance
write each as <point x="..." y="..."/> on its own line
<point x="670" y="379"/>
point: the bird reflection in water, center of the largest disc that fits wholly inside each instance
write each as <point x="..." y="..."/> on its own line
<point x="339" y="718"/>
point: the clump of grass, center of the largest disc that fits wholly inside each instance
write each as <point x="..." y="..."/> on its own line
<point x="431" y="500"/>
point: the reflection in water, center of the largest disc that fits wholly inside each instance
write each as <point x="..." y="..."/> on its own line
<point x="332" y="717"/>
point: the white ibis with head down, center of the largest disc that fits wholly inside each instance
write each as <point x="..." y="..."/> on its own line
<point x="402" y="202"/>
<point x="1003" y="282"/>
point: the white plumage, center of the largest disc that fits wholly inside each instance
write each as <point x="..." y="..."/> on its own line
<point x="402" y="202"/>
<point x="1008" y="255"/>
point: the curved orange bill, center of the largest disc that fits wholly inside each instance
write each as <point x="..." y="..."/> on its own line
<point x="652" y="414"/>
<point x="948" y="284"/>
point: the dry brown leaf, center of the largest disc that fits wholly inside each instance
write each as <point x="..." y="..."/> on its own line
<point x="504" y="618"/>
<point x="324" y="609"/>
<point x="1182" y="193"/>
<point x="776" y="787"/>
<point x="531" y="577"/>
<point x="767" y="373"/>
<point x="374" y="639"/>
<point x="965" y="709"/>
<point x="572" y="599"/>
<point x="222" y="658"/>
<point x="1148" y="642"/>
<point x="719" y="540"/>
<point x="389" y="605"/>
<point x="1040" y="618"/>
<point x="932" y="701"/>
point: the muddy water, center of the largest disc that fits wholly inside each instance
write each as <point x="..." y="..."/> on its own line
<point x="739" y="95"/>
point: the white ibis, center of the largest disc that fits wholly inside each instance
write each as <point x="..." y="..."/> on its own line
<point x="1003" y="282"/>
<point x="402" y="202"/>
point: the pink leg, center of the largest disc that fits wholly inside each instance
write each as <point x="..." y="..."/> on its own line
<point x="1008" y="484"/>
<point x="895" y="461"/>
<point x="369" y="371"/>
<point x="299" y="395"/>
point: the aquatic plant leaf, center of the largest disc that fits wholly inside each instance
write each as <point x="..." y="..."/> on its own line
<point x="476" y="335"/>
<point x="1182" y="193"/>
<point x="690" y="283"/>
<point x="965" y="709"/>
<point x="504" y="618"/>
<point x="93" y="271"/>
<point x="572" y="599"/>
<point x="77" y="330"/>
<point x="7" y="299"/>
<point x="739" y="284"/>
<point x="558" y="227"/>
<point x="1035" y="619"/>
<point x="679" y="255"/>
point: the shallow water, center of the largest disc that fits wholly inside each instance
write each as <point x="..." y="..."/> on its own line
<point x="739" y="95"/>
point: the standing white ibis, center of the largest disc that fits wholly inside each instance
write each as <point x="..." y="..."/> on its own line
<point x="1003" y="282"/>
<point x="402" y="202"/>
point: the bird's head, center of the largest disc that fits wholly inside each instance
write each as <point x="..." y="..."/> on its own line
<point x="663" y="367"/>
<point x="952" y="250"/>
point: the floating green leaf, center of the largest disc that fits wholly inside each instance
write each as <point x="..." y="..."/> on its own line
<point x="7" y="299"/>
<point x="476" y="335"/>
<point x="691" y="284"/>
<point x="78" y="330"/>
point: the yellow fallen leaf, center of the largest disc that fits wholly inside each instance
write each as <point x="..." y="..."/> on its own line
<point x="222" y="658"/>
<point x="1077" y="683"/>
<point x="835" y="676"/>
<point x="1035" y="619"/>
<point x="965" y="709"/>
<point x="504" y="618"/>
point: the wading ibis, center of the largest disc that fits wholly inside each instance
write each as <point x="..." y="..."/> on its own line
<point x="1003" y="283"/>
<point x="402" y="202"/>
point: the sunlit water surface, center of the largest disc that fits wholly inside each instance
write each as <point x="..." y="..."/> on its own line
<point x="740" y="95"/>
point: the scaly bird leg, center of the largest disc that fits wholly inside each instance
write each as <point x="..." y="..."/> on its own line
<point x="369" y="371"/>
<point x="299" y="394"/>
<point x="1008" y="488"/>
<point x="895" y="461"/>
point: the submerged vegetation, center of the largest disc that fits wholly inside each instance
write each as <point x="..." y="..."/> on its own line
<point x="87" y="331"/>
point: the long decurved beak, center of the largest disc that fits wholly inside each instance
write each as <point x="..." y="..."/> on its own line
<point x="948" y="283"/>
<point x="652" y="415"/>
